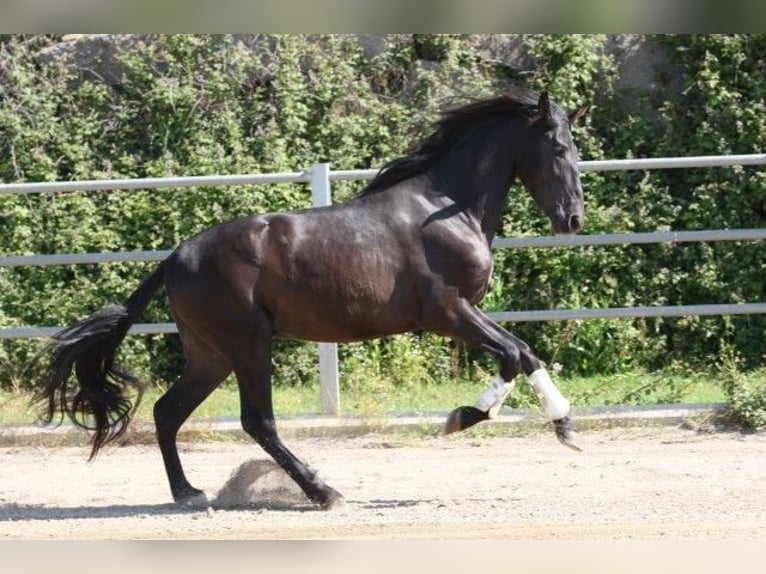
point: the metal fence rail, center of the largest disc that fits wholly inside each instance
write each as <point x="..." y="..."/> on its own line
<point x="631" y="238"/>
<point x="511" y="316"/>
<point x="630" y="312"/>
<point x="154" y="182"/>
<point x="616" y="164"/>
<point x="319" y="178"/>
<point x="353" y="174"/>
<point x="499" y="243"/>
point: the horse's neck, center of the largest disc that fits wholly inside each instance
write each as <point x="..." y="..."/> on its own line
<point x="492" y="212"/>
<point x="482" y="190"/>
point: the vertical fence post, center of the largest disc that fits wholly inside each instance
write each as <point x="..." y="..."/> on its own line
<point x="329" y="388"/>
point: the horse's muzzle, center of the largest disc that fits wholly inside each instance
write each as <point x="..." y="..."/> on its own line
<point x="569" y="224"/>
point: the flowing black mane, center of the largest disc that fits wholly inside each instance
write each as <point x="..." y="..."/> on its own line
<point x="453" y="124"/>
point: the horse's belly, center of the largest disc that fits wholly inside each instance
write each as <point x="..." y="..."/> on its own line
<point x="343" y="315"/>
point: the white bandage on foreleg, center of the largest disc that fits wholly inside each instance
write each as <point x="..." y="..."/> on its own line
<point x="552" y="402"/>
<point x="492" y="398"/>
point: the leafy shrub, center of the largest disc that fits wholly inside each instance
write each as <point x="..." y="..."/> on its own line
<point x="746" y="396"/>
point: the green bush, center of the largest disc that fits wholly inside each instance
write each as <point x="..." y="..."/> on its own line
<point x="746" y="396"/>
<point x="190" y="105"/>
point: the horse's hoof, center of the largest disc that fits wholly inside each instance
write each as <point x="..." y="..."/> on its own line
<point x="196" y="501"/>
<point x="334" y="503"/>
<point x="192" y="498"/>
<point x="566" y="434"/>
<point x="464" y="417"/>
<point x="569" y="440"/>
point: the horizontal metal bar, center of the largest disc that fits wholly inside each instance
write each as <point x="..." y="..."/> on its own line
<point x="45" y="332"/>
<point x="615" y="164"/>
<point x="627" y="312"/>
<point x="153" y="328"/>
<point x="154" y="182"/>
<point x="502" y="316"/>
<point x="499" y="243"/>
<point x="673" y="162"/>
<point x="631" y="238"/>
<point x="352" y="174"/>
<point x="305" y="176"/>
<point x="75" y="258"/>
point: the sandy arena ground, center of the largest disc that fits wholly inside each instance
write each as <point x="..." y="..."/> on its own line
<point x="639" y="483"/>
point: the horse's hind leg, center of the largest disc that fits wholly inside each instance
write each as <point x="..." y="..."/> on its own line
<point x="252" y="365"/>
<point x="204" y="371"/>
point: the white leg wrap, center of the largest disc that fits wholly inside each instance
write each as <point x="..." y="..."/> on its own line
<point x="552" y="402"/>
<point x="491" y="399"/>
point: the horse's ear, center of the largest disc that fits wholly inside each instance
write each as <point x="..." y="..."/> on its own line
<point x="545" y="122"/>
<point x="577" y="113"/>
<point x="544" y="106"/>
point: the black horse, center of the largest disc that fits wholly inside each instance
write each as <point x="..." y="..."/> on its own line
<point x="411" y="252"/>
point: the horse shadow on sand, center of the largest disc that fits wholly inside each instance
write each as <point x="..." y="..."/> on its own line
<point x="255" y="485"/>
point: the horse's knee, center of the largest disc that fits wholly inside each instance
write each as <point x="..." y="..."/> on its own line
<point x="518" y="360"/>
<point x="510" y="364"/>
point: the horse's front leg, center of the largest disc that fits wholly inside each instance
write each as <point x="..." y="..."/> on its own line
<point x="515" y="357"/>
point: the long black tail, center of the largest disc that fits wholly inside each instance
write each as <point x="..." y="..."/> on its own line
<point x="98" y="401"/>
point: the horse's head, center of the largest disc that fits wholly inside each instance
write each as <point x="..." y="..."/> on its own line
<point x="547" y="166"/>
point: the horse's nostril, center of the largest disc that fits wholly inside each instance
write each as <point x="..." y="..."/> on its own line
<point x="575" y="222"/>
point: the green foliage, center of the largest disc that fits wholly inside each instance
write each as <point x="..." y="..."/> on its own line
<point x="190" y="105"/>
<point x="746" y="396"/>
